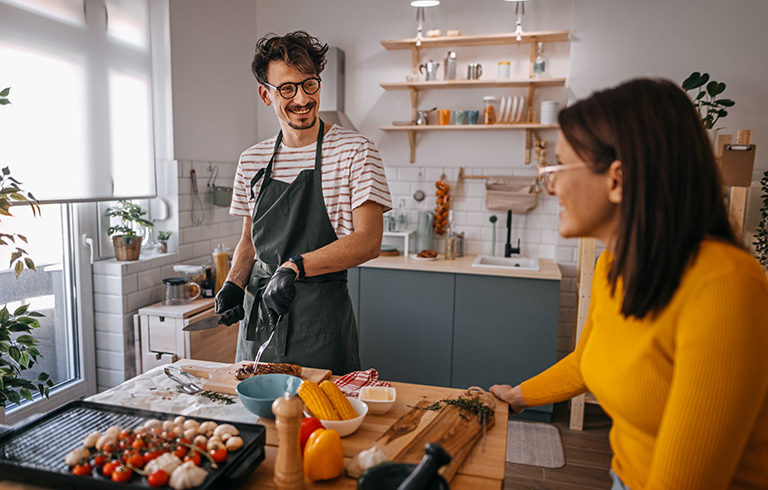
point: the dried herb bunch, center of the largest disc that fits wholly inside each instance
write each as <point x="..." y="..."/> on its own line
<point x="761" y="236"/>
<point x="216" y="397"/>
<point x="483" y="411"/>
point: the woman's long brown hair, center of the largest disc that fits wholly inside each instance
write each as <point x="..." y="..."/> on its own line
<point x="672" y="196"/>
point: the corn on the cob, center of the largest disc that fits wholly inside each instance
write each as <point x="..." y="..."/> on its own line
<point x="316" y="401"/>
<point x="339" y="401"/>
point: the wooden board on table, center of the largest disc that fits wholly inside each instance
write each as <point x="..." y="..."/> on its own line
<point x="222" y="379"/>
<point x="455" y="430"/>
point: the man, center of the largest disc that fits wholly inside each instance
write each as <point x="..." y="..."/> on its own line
<point x="312" y="200"/>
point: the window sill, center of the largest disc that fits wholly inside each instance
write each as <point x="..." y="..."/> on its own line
<point x="114" y="267"/>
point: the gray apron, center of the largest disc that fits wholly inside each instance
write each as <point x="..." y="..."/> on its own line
<point x="319" y="329"/>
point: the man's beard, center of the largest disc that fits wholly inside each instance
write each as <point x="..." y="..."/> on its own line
<point x="305" y="125"/>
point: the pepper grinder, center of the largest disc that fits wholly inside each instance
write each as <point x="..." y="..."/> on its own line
<point x="289" y="471"/>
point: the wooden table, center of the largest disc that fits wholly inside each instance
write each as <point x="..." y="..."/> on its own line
<point x="481" y="470"/>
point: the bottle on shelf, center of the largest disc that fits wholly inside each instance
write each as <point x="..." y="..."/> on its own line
<point x="221" y="262"/>
<point x="540" y="63"/>
<point x="450" y="239"/>
<point x="450" y="66"/>
<point x="208" y="283"/>
<point x="402" y="217"/>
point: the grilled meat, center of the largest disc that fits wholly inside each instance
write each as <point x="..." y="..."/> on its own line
<point x="250" y="369"/>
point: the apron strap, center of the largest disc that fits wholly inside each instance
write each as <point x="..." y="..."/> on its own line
<point x="268" y="173"/>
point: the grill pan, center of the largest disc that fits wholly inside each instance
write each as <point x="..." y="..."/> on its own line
<point x="34" y="453"/>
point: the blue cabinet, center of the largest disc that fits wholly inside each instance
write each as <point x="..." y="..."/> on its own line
<point x="456" y="330"/>
<point x="504" y="331"/>
<point x="405" y="323"/>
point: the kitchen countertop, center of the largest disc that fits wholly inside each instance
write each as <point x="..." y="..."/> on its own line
<point x="549" y="270"/>
<point x="152" y="391"/>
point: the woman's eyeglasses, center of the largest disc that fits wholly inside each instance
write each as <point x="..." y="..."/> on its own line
<point x="548" y="172"/>
<point x="288" y="90"/>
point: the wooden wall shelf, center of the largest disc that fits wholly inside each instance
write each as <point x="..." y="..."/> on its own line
<point x="468" y="127"/>
<point x="465" y="84"/>
<point x="479" y="40"/>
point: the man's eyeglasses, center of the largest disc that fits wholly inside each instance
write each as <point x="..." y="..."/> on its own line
<point x="288" y="90"/>
<point x="548" y="172"/>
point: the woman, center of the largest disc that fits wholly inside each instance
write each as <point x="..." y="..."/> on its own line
<point x="675" y="346"/>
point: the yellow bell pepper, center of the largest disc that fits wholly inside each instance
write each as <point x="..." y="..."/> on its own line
<point x="323" y="455"/>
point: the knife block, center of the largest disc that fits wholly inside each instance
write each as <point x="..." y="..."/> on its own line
<point x="161" y="340"/>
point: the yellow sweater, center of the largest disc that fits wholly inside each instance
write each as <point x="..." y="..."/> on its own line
<point x="688" y="390"/>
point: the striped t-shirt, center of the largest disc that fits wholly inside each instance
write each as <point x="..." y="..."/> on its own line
<point x="353" y="173"/>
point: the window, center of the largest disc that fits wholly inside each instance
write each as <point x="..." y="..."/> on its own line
<point x="80" y="125"/>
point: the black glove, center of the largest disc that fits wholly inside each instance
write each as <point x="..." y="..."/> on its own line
<point x="279" y="293"/>
<point x="229" y="301"/>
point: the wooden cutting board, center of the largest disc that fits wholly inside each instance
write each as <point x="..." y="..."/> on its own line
<point x="222" y="379"/>
<point x="455" y="430"/>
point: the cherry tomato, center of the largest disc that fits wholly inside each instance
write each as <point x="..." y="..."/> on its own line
<point x="121" y="474"/>
<point x="195" y="457"/>
<point x="123" y="444"/>
<point x="149" y="456"/>
<point x="157" y="431"/>
<point x="110" y="447"/>
<point x="108" y="468"/>
<point x="138" y="443"/>
<point x="171" y="436"/>
<point x="136" y="460"/>
<point x="185" y="440"/>
<point x="84" y="469"/>
<point x="201" y="447"/>
<point x="157" y="478"/>
<point x="125" y="434"/>
<point x="99" y="460"/>
<point x="219" y="455"/>
<point x="127" y="454"/>
<point x="180" y="452"/>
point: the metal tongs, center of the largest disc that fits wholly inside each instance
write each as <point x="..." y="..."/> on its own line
<point x="186" y="387"/>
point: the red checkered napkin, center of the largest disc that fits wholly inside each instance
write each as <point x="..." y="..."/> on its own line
<point x="351" y="383"/>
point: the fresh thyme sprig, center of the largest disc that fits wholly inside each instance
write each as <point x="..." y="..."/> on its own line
<point x="216" y="397"/>
<point x="480" y="409"/>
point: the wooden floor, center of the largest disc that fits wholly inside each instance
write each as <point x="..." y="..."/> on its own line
<point x="587" y="456"/>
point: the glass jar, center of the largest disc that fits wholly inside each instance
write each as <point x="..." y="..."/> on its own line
<point x="540" y="63"/>
<point x="221" y="263"/>
<point x="489" y="109"/>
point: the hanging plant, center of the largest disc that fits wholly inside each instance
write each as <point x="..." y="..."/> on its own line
<point x="761" y="236"/>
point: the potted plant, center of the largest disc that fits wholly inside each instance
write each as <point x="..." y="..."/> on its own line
<point x="761" y="236"/>
<point x="18" y="347"/>
<point x="125" y="239"/>
<point x="163" y="237"/>
<point x="710" y="108"/>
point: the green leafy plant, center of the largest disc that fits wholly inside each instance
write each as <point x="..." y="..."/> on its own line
<point x="18" y="348"/>
<point x="710" y="108"/>
<point x="130" y="215"/>
<point x="761" y="236"/>
<point x="164" y="236"/>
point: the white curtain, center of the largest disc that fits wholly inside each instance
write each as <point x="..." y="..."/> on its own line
<point x="79" y="127"/>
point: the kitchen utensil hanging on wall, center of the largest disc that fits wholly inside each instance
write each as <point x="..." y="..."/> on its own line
<point x="197" y="204"/>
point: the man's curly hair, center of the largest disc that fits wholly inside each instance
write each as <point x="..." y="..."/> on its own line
<point x="298" y="49"/>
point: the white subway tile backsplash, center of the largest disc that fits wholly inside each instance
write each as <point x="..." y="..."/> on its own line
<point x="139" y="299"/>
<point x="109" y="378"/>
<point x="108" y="303"/>
<point x="107" y="284"/>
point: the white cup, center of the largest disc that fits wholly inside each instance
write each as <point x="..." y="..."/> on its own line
<point x="549" y="112"/>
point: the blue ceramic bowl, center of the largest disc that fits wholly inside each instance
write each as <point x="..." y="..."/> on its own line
<point x="258" y="392"/>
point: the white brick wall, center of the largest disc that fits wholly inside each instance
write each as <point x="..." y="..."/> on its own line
<point x="121" y="288"/>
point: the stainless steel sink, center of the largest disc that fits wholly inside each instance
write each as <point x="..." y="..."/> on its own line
<point x="518" y="263"/>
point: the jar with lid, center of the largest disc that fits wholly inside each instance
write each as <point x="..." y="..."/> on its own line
<point x="192" y="273"/>
<point x="221" y="263"/>
<point x="540" y="63"/>
<point x="489" y="110"/>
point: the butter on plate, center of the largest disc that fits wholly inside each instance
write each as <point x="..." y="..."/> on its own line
<point x="378" y="398"/>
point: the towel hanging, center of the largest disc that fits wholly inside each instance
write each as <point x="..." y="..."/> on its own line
<point x="515" y="193"/>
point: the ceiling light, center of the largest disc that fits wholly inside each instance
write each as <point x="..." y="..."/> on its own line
<point x="425" y="3"/>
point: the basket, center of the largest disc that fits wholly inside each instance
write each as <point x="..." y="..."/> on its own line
<point x="124" y="251"/>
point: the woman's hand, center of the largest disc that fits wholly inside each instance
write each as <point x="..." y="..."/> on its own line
<point x="513" y="397"/>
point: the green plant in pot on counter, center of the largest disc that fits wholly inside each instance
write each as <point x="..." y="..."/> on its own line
<point x="710" y="108"/>
<point x="163" y="237"/>
<point x="124" y="235"/>
<point x="18" y="348"/>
